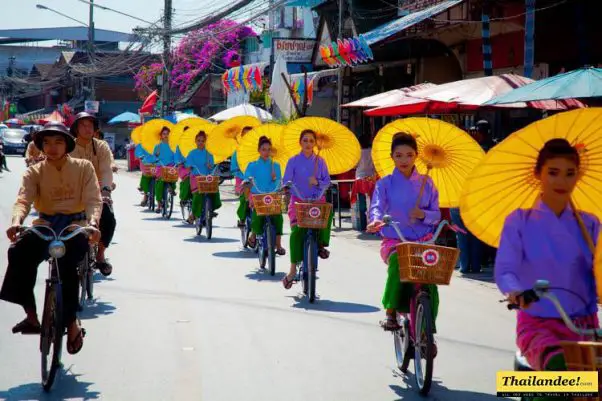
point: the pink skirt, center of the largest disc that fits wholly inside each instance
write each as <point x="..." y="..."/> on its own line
<point x="183" y="172"/>
<point x="534" y="335"/>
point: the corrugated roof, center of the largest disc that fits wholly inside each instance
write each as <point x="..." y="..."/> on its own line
<point x="65" y="33"/>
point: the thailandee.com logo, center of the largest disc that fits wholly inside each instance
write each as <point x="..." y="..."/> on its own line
<point x="547" y="384"/>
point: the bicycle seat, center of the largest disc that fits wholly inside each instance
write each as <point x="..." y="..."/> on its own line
<point x="521" y="364"/>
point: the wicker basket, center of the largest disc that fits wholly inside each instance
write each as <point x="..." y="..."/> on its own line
<point x="148" y="170"/>
<point x="583" y="356"/>
<point x="426" y="264"/>
<point x="207" y="184"/>
<point x="169" y="174"/>
<point x="268" y="204"/>
<point x="313" y="215"/>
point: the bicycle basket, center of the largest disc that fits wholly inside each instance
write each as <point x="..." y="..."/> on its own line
<point x="148" y="170"/>
<point x="583" y="356"/>
<point x="207" y="184"/>
<point x="169" y="174"/>
<point x="313" y="215"/>
<point x="426" y="264"/>
<point x="268" y="204"/>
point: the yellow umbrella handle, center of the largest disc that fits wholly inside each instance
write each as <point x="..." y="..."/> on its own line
<point x="588" y="238"/>
<point x="428" y="170"/>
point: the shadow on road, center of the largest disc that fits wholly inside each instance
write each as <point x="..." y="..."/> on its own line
<point x="332" y="306"/>
<point x="96" y="309"/>
<point x="202" y="238"/>
<point x="235" y="255"/>
<point x="65" y="387"/>
<point x="438" y="391"/>
<point x="263" y="275"/>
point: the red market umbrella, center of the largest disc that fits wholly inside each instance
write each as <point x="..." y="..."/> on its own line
<point x="149" y="103"/>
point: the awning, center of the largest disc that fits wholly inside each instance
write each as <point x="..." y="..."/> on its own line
<point x="391" y="28"/>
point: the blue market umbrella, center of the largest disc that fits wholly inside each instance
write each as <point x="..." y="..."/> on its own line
<point x="127" y="117"/>
<point x="581" y="83"/>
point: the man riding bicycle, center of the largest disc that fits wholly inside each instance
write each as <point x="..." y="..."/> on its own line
<point x="98" y="152"/>
<point x="65" y="191"/>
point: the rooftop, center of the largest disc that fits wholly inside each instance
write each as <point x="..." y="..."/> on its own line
<point x="73" y="33"/>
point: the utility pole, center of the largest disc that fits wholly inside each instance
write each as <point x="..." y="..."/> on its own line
<point x="165" y="98"/>
<point x="341" y="69"/>
<point x="91" y="50"/>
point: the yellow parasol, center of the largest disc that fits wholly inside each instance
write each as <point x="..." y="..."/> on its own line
<point x="505" y="179"/>
<point x="181" y="127"/>
<point x="445" y="152"/>
<point x="136" y="135"/>
<point x="151" y="133"/>
<point x="247" y="150"/>
<point x="336" y="143"/>
<point x="187" y="140"/>
<point x="224" y="139"/>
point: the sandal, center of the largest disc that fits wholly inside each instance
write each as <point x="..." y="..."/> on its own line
<point x="288" y="284"/>
<point x="190" y="219"/>
<point x="27" y="327"/>
<point x="323" y="253"/>
<point x="105" y="268"/>
<point x="390" y="324"/>
<point x="281" y="251"/>
<point x="251" y="244"/>
<point x="76" y="345"/>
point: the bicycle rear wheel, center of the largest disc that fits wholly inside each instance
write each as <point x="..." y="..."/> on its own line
<point x="261" y="250"/>
<point x="51" y="339"/>
<point x="151" y="195"/>
<point x="91" y="267"/>
<point x="424" y="344"/>
<point x="185" y="207"/>
<point x="403" y="349"/>
<point x="270" y="234"/>
<point x="208" y="217"/>
<point x="245" y="232"/>
<point x="169" y="200"/>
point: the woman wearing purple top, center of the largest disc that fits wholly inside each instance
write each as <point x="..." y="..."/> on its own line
<point x="396" y="195"/>
<point x="546" y="243"/>
<point x="309" y="173"/>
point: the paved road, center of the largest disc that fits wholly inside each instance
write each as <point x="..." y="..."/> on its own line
<point x="186" y="319"/>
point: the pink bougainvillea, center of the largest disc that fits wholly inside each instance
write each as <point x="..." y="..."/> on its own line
<point x="211" y="49"/>
<point x="146" y="77"/>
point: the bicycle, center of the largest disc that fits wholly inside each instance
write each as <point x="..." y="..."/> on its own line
<point x="579" y="356"/>
<point x="266" y="204"/>
<point x="206" y="185"/>
<point x="312" y="215"/>
<point x="169" y="175"/>
<point x="52" y="328"/>
<point x="150" y="170"/>
<point x="85" y="272"/>
<point x="420" y="264"/>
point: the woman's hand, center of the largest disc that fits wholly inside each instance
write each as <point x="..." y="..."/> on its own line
<point x="313" y="181"/>
<point x="517" y="299"/>
<point x="375" y="226"/>
<point x="417" y="214"/>
<point x="273" y="176"/>
<point x="13" y="231"/>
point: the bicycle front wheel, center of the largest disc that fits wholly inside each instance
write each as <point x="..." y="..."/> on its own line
<point x="51" y="338"/>
<point x="424" y="344"/>
<point x="169" y="200"/>
<point x="209" y="217"/>
<point x="82" y="273"/>
<point x="271" y="253"/>
<point x="403" y="349"/>
<point x="151" y="196"/>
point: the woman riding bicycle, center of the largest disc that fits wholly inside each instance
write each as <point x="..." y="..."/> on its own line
<point x="243" y="205"/>
<point x="309" y="174"/>
<point x="201" y="162"/>
<point x="145" y="181"/>
<point x="65" y="191"/>
<point x="546" y="243"/>
<point x="165" y="157"/>
<point x="397" y="195"/>
<point x="267" y="177"/>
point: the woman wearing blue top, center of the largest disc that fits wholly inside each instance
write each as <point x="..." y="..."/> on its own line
<point x="145" y="158"/>
<point x="267" y="177"/>
<point x="165" y="157"/>
<point x="201" y="162"/>
<point x="243" y="206"/>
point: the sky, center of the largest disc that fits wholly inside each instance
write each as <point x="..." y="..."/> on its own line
<point x="24" y="14"/>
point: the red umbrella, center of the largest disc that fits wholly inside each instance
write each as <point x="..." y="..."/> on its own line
<point x="149" y="104"/>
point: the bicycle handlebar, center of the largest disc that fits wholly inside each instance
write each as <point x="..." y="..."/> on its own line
<point x="541" y="289"/>
<point x="54" y="236"/>
<point x="215" y="167"/>
<point x="251" y="182"/>
<point x="290" y="184"/>
<point x="388" y="220"/>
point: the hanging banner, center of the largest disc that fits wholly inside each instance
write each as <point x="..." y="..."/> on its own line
<point x="294" y="50"/>
<point x="346" y="52"/>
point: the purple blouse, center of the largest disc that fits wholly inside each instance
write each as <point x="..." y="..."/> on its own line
<point x="298" y="170"/>
<point x="396" y="196"/>
<point x="538" y="245"/>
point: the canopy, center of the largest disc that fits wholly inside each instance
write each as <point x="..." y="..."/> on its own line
<point x="242" y="110"/>
<point x="126" y="117"/>
<point x="55" y="116"/>
<point x="388" y="98"/>
<point x="581" y="83"/>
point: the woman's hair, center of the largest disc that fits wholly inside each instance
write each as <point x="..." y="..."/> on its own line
<point x="365" y="141"/>
<point x="201" y="133"/>
<point x="404" y="139"/>
<point x="165" y="129"/>
<point x="556" y="148"/>
<point x="306" y="132"/>
<point x="262" y="141"/>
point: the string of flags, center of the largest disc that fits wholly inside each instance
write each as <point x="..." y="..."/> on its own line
<point x="247" y="78"/>
<point x="346" y="52"/>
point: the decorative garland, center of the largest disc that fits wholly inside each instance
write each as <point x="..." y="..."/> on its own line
<point x="248" y="78"/>
<point x="347" y="52"/>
